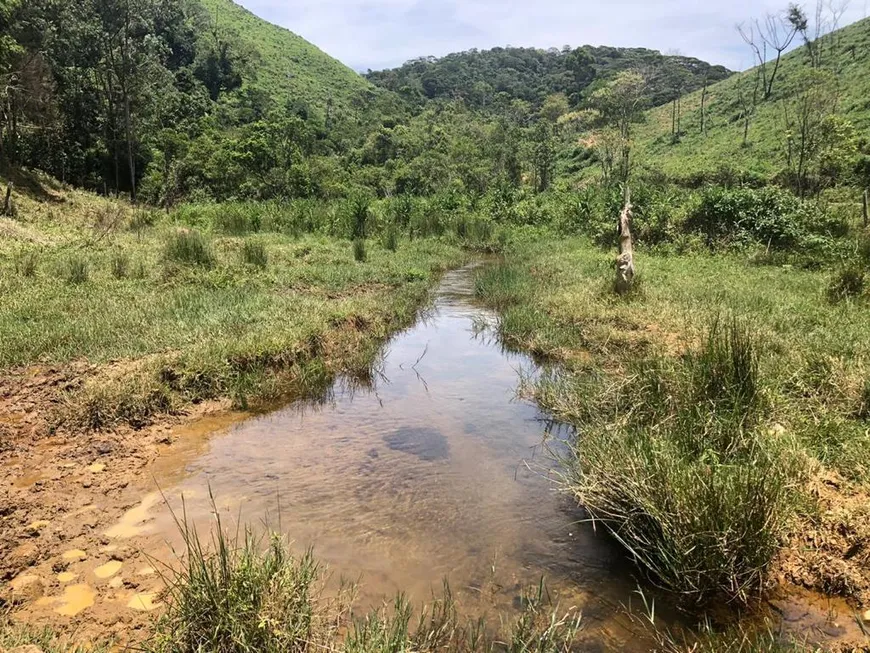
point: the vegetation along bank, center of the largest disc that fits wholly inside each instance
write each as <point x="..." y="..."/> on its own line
<point x="187" y="228"/>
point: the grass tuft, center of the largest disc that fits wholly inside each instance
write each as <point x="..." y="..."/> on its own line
<point x="26" y="264"/>
<point x="189" y="247"/>
<point x="254" y="253"/>
<point x="245" y="593"/>
<point x="120" y="265"/>
<point x="849" y="282"/>
<point x="76" y="270"/>
<point x="359" y="250"/>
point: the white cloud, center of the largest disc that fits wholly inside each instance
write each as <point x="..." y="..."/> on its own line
<point x="385" y="33"/>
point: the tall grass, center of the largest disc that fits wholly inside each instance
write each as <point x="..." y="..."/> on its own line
<point x="360" y="255"/>
<point x="189" y="247"/>
<point x="254" y="253"/>
<point x="672" y="462"/>
<point x="233" y="594"/>
<point x="360" y="212"/>
<point x="120" y="265"/>
<point x="75" y="270"/>
<point x="26" y="263"/>
<point x="238" y="595"/>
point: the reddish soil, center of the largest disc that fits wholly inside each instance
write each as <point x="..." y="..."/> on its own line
<point x="61" y="493"/>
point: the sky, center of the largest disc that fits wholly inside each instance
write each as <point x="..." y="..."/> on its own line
<point x="377" y="34"/>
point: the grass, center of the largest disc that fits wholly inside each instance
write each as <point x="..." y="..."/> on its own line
<point x="191" y="319"/>
<point x="189" y="247"/>
<point x="317" y="78"/>
<point x="255" y="253"/>
<point x="846" y="53"/>
<point x="360" y="255"/>
<point x="702" y="405"/>
<point x="242" y="592"/>
<point x="46" y="639"/>
<point x="76" y="269"/>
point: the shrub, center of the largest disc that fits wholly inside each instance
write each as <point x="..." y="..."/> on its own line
<point x="120" y="265"/>
<point x="189" y="247"/>
<point x="770" y="216"/>
<point x="359" y="250"/>
<point x="254" y="253"/>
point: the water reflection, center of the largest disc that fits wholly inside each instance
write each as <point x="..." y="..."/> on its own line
<point x="431" y="469"/>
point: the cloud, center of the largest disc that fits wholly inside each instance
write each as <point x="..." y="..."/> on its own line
<point x="385" y="33"/>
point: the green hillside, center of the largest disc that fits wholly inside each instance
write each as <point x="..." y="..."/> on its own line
<point x="483" y="77"/>
<point x="846" y="55"/>
<point x="288" y="66"/>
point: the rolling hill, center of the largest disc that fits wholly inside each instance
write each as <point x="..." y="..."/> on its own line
<point x="846" y="55"/>
<point x="288" y="66"/>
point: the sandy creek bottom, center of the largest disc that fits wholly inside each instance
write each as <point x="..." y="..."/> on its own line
<point x="437" y="472"/>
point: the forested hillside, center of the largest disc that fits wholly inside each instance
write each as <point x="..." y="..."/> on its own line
<point x="485" y="78"/>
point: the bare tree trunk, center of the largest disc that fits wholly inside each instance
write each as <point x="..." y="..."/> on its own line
<point x="625" y="261"/>
<point x="679" y="115"/>
<point x="9" y="207"/>
<point x="866" y="207"/>
<point x="704" y="109"/>
<point x="130" y="160"/>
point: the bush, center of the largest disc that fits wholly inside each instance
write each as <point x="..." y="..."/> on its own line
<point x="254" y="253"/>
<point x="189" y="247"/>
<point x="770" y="216"/>
<point x="359" y="250"/>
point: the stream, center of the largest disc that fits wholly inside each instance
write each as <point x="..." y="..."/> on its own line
<point x="435" y="471"/>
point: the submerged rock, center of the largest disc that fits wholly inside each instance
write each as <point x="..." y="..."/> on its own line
<point x="426" y="443"/>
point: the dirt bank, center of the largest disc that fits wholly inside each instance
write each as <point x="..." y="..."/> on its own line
<point x="69" y="551"/>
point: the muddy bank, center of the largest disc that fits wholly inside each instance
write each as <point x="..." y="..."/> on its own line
<point x="61" y="494"/>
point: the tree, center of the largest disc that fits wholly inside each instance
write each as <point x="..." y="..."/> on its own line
<point x="748" y="85"/>
<point x="543" y="155"/>
<point x="819" y="143"/>
<point x="775" y="34"/>
<point x="621" y="104"/>
<point x="580" y="63"/>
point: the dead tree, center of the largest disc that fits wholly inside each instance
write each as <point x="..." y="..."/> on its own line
<point x="625" y="261"/>
<point x="866" y="208"/>
<point x="8" y="206"/>
<point x="704" y="109"/>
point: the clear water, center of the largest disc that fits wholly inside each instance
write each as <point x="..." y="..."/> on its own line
<point x="437" y="472"/>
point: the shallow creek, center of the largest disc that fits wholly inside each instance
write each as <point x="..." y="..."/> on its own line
<point x="436" y="472"/>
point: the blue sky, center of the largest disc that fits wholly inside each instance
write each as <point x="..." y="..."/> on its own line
<point x="386" y="33"/>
